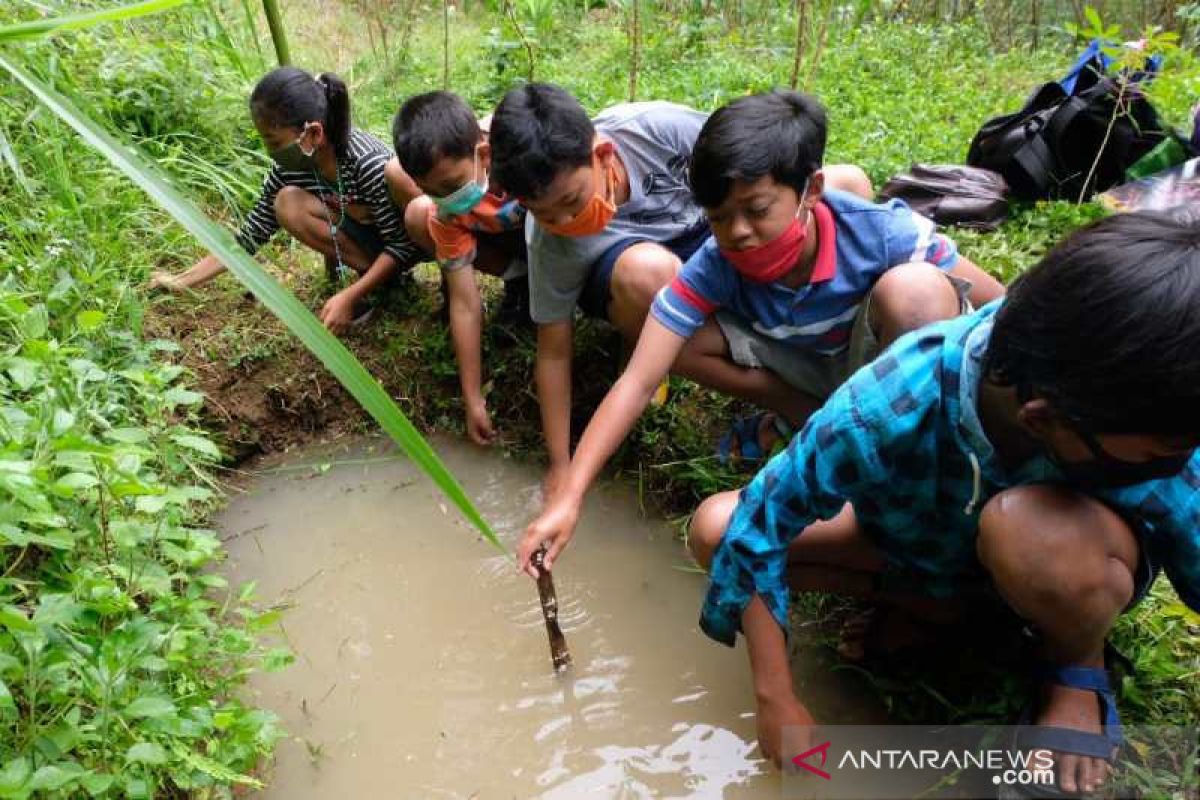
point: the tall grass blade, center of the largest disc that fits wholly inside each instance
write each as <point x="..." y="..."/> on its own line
<point x="280" y="302"/>
<point x="38" y="28"/>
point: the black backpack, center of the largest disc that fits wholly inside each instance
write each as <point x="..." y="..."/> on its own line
<point x="1049" y="148"/>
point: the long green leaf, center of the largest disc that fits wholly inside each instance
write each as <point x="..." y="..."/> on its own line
<point x="48" y="27"/>
<point x="278" y="300"/>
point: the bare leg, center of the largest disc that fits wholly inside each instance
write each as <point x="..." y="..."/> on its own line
<point x="637" y="276"/>
<point x="1065" y="562"/>
<point x="833" y="556"/>
<point x="302" y="214"/>
<point x="910" y="296"/>
<point x="849" y="178"/>
<point x="416" y="221"/>
<point x="705" y="359"/>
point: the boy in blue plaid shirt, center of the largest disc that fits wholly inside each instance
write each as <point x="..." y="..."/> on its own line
<point x="1045" y="445"/>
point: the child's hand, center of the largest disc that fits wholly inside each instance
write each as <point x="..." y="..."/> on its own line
<point x="776" y="713"/>
<point x="479" y="424"/>
<point x="338" y="313"/>
<point x="167" y="281"/>
<point x="554" y="527"/>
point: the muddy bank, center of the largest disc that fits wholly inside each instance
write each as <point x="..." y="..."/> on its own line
<point x="266" y="394"/>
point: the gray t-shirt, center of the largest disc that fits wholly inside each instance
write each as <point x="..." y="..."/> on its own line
<point x="654" y="141"/>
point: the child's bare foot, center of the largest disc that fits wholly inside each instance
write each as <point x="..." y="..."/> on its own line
<point x="1078" y="709"/>
<point x="880" y="631"/>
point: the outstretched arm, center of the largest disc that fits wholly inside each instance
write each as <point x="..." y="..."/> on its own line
<point x="656" y="350"/>
<point x="198" y="274"/>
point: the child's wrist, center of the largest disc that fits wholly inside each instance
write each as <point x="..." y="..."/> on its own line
<point x="773" y="690"/>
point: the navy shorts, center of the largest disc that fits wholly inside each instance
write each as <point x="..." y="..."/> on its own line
<point x="594" y="299"/>
<point x="368" y="237"/>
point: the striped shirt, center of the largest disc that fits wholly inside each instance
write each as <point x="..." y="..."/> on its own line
<point x="363" y="183"/>
<point x="857" y="241"/>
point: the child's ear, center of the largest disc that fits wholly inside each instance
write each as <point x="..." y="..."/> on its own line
<point x="605" y="149"/>
<point x="485" y="155"/>
<point x="816" y="188"/>
<point x="316" y="134"/>
<point x="1037" y="417"/>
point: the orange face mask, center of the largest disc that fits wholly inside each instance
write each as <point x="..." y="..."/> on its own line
<point x="598" y="211"/>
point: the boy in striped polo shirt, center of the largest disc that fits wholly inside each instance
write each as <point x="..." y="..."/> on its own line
<point x="795" y="290"/>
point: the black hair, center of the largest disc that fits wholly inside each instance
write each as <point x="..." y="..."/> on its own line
<point x="538" y="131"/>
<point x="288" y="97"/>
<point x="432" y="126"/>
<point x="1106" y="327"/>
<point x="778" y="133"/>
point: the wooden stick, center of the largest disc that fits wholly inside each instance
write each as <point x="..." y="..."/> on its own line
<point x="559" y="654"/>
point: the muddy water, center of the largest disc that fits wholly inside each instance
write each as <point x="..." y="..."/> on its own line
<point x="422" y="667"/>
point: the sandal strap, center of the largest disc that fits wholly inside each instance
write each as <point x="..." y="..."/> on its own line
<point x="1067" y="740"/>
<point x="744" y="431"/>
<point x="783" y="427"/>
<point x="1093" y="679"/>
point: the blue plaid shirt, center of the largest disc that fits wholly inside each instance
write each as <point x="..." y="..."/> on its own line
<point x="901" y="441"/>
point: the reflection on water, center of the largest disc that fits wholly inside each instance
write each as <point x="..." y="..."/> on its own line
<point x="422" y="665"/>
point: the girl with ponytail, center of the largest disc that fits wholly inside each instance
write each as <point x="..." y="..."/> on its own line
<point x="327" y="188"/>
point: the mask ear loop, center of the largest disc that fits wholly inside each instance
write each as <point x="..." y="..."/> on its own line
<point x="475" y="171"/>
<point x="610" y="180"/>
<point x="803" y="197"/>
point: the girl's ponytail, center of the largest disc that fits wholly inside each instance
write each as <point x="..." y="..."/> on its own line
<point x="337" y="111"/>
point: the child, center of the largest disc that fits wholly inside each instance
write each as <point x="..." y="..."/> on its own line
<point x="327" y="188"/>
<point x="1044" y="446"/>
<point x="467" y="221"/>
<point x="806" y="286"/>
<point x="611" y="220"/>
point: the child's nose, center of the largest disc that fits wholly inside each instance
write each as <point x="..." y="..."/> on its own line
<point x="740" y="232"/>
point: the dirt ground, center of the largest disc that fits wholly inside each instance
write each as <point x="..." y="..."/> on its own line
<point x="265" y="393"/>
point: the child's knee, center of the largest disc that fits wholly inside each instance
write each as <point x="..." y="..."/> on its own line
<point x="849" y="178"/>
<point x="416" y="221"/>
<point x="708" y="526"/>
<point x="290" y="202"/>
<point x="640" y="272"/>
<point x="909" y="296"/>
<point x="1051" y="547"/>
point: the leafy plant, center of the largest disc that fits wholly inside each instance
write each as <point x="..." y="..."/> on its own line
<point x="331" y="352"/>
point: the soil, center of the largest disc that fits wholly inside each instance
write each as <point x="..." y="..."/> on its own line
<point x="265" y="393"/>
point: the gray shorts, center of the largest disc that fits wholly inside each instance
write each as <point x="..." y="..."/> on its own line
<point x="813" y="373"/>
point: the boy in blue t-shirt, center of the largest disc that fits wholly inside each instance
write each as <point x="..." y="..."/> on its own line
<point x="794" y="290"/>
<point x="1039" y="452"/>
<point x="611" y="218"/>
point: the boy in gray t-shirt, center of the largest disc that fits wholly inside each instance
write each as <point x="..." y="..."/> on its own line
<point x="611" y="219"/>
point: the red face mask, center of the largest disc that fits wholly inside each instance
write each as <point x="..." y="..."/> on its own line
<point x="769" y="262"/>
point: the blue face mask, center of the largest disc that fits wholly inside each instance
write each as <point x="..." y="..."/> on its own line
<point x="463" y="199"/>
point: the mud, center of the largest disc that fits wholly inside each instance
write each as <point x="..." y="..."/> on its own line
<point x="422" y="668"/>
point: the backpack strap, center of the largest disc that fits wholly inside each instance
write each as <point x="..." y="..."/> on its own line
<point x="1037" y="156"/>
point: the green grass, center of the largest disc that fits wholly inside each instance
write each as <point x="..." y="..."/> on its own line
<point x="105" y="596"/>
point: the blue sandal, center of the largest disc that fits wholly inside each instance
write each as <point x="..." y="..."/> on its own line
<point x="745" y="433"/>
<point x="1102" y="745"/>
